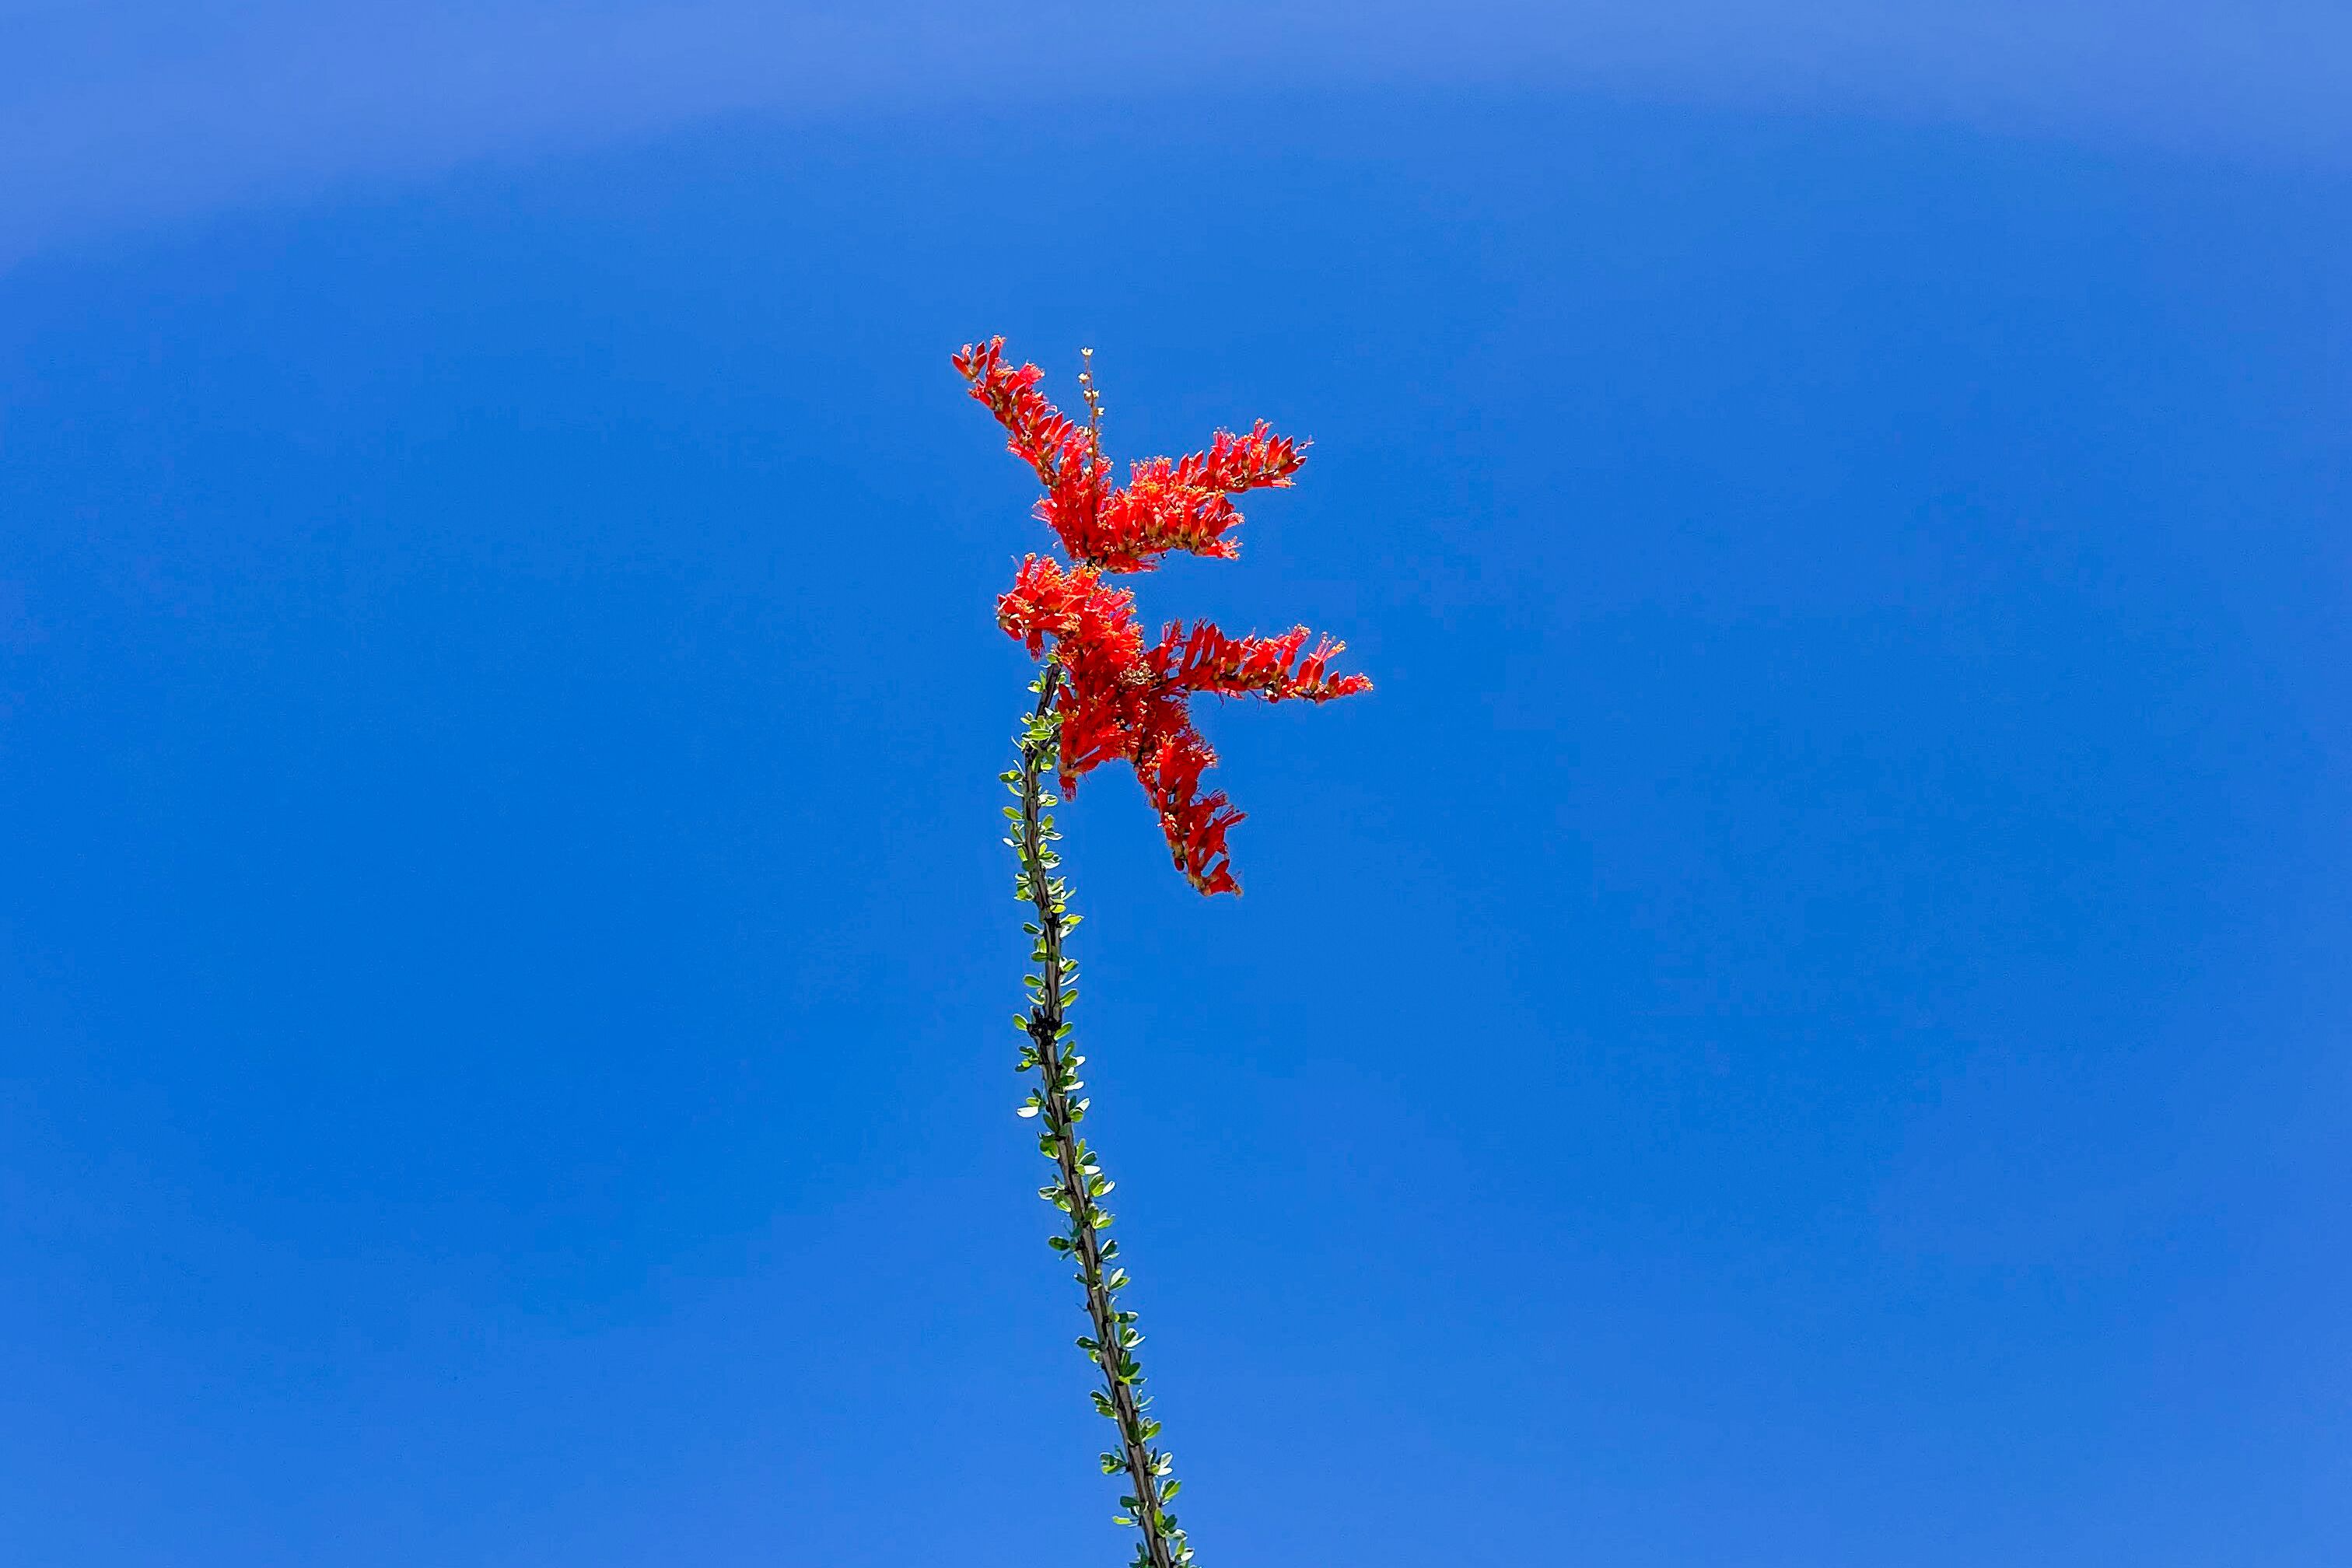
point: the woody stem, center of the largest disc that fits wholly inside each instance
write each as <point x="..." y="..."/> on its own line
<point x="1079" y="1179"/>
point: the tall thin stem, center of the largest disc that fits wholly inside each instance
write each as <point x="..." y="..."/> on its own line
<point x="1079" y="1182"/>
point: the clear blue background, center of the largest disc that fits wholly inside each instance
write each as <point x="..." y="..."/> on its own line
<point x="1802" y="1024"/>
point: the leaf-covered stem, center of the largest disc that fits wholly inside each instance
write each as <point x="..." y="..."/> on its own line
<point x="1079" y="1183"/>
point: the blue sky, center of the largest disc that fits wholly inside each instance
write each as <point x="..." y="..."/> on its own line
<point x="1803" y="1023"/>
<point x="117" y="112"/>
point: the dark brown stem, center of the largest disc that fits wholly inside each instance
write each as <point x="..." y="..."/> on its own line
<point x="1081" y="1181"/>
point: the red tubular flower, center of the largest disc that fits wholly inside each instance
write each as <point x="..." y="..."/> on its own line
<point x="1195" y="824"/>
<point x="1185" y="504"/>
<point x="1120" y="700"/>
<point x="1059" y="450"/>
<point x="1207" y="660"/>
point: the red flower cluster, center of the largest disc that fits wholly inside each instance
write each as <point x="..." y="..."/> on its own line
<point x="1120" y="699"/>
<point x="1183" y="505"/>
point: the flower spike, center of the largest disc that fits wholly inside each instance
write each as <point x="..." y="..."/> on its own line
<point x="1121" y="700"/>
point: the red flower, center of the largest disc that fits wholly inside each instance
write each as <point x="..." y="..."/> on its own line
<point x="1165" y="505"/>
<point x="1060" y="449"/>
<point x="1118" y="698"/>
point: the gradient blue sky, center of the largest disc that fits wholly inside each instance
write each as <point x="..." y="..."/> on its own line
<point x="1803" y="1024"/>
